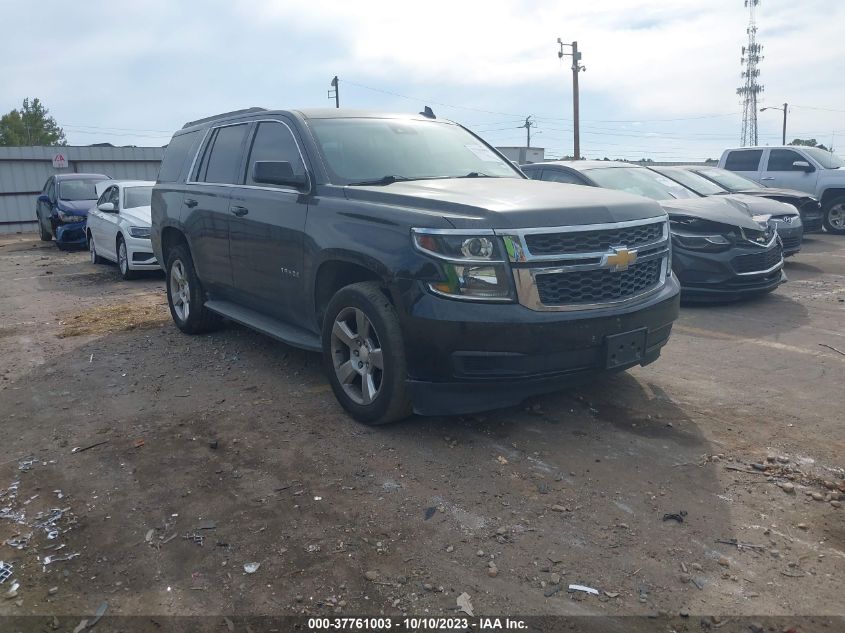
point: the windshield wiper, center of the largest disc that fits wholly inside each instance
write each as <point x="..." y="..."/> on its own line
<point x="384" y="180"/>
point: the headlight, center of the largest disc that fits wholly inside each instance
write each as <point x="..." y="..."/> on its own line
<point x="762" y="218"/>
<point x="139" y="231"/>
<point x="69" y="218"/>
<point x="473" y="265"/>
<point x="712" y="243"/>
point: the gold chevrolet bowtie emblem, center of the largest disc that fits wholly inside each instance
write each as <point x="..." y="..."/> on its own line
<point x="619" y="259"/>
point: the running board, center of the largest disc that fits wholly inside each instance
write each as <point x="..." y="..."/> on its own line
<point x="290" y="334"/>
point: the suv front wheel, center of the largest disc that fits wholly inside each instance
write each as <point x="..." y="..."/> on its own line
<point x="185" y="295"/>
<point x="834" y="216"/>
<point x="364" y="355"/>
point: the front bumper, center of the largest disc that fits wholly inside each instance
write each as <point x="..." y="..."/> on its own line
<point x="70" y="235"/>
<point x="465" y="357"/>
<point x="726" y="276"/>
<point x="791" y="236"/>
<point x="139" y="250"/>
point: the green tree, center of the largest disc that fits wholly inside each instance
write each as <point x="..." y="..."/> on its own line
<point x="808" y="142"/>
<point x="31" y="125"/>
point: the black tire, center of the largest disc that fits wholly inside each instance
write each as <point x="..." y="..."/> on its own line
<point x="383" y="335"/>
<point x="123" y="260"/>
<point x="92" y="249"/>
<point x="199" y="319"/>
<point x="834" y="216"/>
<point x="46" y="236"/>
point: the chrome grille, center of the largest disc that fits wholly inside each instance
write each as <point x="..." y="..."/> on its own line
<point x="589" y="266"/>
<point x="597" y="286"/>
<point x="593" y="241"/>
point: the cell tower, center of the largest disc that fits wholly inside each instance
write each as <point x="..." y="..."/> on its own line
<point x="750" y="73"/>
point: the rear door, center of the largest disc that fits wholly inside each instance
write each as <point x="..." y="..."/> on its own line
<point x="206" y="205"/>
<point x="268" y="222"/>
<point x="779" y="171"/>
<point x="745" y="162"/>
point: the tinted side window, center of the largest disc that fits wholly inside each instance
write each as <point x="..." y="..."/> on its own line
<point x="273" y="141"/>
<point x="744" y="160"/>
<point x="114" y="197"/>
<point x="533" y="174"/>
<point x="782" y="159"/>
<point x="105" y="196"/>
<point x="51" y="189"/>
<point x="555" y="175"/>
<point x="222" y="155"/>
<point x="175" y="156"/>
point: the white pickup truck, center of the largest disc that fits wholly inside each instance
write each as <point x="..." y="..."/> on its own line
<point x="808" y="169"/>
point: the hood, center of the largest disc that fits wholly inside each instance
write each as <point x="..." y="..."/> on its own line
<point x="509" y="203"/>
<point x="775" y="191"/>
<point x="77" y="207"/>
<point x="714" y="208"/>
<point x="754" y="205"/>
<point x="137" y="216"/>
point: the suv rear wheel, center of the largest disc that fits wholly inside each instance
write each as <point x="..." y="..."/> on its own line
<point x="185" y="295"/>
<point x="364" y="355"/>
<point x="834" y="216"/>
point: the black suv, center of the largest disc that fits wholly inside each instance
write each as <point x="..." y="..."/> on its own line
<point x="433" y="276"/>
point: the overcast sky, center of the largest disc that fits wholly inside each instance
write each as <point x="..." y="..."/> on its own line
<point x="660" y="81"/>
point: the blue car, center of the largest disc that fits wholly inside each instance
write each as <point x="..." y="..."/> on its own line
<point x="62" y="208"/>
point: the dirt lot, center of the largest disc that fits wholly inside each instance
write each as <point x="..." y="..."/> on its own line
<point x="238" y="439"/>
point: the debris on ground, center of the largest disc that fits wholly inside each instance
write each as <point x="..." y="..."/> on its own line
<point x="195" y="537"/>
<point x="584" y="588"/>
<point x="464" y="604"/>
<point x="5" y="572"/>
<point x="251" y="568"/>
<point x="675" y="516"/>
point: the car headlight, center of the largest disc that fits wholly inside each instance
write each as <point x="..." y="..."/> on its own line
<point x="69" y="218"/>
<point x="473" y="264"/>
<point x="139" y="231"/>
<point x="693" y="242"/>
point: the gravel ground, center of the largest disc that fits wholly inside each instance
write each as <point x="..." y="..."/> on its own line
<point x="236" y="441"/>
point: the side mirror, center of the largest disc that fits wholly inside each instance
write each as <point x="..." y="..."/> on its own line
<point x="278" y="172"/>
<point x="107" y="207"/>
<point x="44" y="198"/>
<point x="803" y="165"/>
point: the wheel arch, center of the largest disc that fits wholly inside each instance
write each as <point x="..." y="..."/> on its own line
<point x="339" y="270"/>
<point x="830" y="194"/>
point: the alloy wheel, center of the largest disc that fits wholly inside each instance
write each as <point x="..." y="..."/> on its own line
<point x="836" y="216"/>
<point x="122" y="258"/>
<point x="357" y="356"/>
<point x="180" y="290"/>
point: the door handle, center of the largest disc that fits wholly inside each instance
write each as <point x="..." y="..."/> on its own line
<point x="239" y="211"/>
<point x="190" y="203"/>
<point x="767" y="178"/>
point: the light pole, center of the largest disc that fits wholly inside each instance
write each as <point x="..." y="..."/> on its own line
<point x="784" y="110"/>
<point x="576" y="68"/>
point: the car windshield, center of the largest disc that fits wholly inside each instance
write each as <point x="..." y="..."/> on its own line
<point x="382" y="151"/>
<point x="640" y="181"/>
<point x="137" y="197"/>
<point x="690" y="180"/>
<point x="81" y="189"/>
<point x="728" y="179"/>
<point x="824" y="158"/>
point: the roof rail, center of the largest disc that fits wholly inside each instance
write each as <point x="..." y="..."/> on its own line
<point x="222" y="116"/>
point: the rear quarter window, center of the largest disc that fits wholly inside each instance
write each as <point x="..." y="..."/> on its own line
<point x="744" y="160"/>
<point x="176" y="155"/>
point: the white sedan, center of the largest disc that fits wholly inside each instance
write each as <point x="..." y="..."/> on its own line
<point x="119" y="226"/>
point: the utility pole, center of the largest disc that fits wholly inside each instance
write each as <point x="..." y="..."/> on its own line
<point x="528" y="125"/>
<point x="576" y="68"/>
<point x="336" y="92"/>
<point x="784" y="110"/>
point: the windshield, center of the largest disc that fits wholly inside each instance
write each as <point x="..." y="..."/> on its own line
<point x="690" y="180"/>
<point x="823" y="158"/>
<point x="82" y="189"/>
<point x="640" y="181"/>
<point x="137" y="197"/>
<point x="728" y="179"/>
<point x="358" y="150"/>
